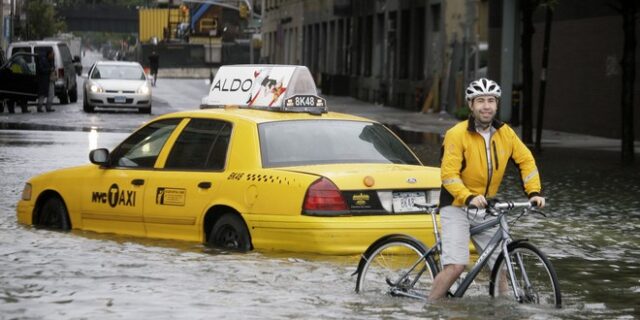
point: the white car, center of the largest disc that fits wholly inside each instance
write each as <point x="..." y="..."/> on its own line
<point x="118" y="85"/>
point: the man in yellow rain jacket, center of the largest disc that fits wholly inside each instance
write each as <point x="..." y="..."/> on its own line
<point x="475" y="155"/>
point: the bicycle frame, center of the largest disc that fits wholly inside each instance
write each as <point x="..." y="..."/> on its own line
<point x="501" y="238"/>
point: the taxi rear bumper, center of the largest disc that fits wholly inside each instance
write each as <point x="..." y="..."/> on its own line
<point x="335" y="235"/>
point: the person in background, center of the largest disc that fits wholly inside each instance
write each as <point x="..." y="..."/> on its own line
<point x="154" y="64"/>
<point x="45" y="73"/>
<point x="18" y="66"/>
<point x="475" y="153"/>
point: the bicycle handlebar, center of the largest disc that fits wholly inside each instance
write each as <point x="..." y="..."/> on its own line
<point x="493" y="204"/>
<point x="512" y="205"/>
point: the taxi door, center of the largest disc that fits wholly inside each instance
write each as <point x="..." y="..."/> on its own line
<point x="112" y="201"/>
<point x="112" y="197"/>
<point x="178" y="194"/>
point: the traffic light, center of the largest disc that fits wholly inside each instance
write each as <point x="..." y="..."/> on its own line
<point x="243" y="10"/>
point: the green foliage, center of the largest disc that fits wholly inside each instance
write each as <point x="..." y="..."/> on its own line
<point x="122" y="3"/>
<point x="41" y="20"/>
<point x="462" y="113"/>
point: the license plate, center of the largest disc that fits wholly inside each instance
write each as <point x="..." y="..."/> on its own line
<point x="120" y="99"/>
<point x="403" y="201"/>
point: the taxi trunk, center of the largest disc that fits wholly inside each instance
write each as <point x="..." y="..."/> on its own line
<point x="349" y="207"/>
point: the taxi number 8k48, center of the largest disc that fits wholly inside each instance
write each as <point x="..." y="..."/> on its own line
<point x="307" y="101"/>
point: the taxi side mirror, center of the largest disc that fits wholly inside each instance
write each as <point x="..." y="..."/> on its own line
<point x="99" y="156"/>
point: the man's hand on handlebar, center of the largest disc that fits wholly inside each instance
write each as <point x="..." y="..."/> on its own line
<point x="479" y="202"/>
<point x="537" y="200"/>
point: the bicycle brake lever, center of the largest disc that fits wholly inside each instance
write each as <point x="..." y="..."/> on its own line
<point x="538" y="212"/>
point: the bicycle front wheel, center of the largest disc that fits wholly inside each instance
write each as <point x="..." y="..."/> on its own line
<point x="535" y="277"/>
<point x="396" y="265"/>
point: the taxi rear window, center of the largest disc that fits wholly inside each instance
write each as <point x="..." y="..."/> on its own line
<point x="309" y="142"/>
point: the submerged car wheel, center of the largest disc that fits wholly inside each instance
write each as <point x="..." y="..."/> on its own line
<point x="53" y="214"/>
<point x="230" y="232"/>
<point x="146" y="110"/>
<point x="85" y="104"/>
<point x="64" y="97"/>
<point x="73" y="94"/>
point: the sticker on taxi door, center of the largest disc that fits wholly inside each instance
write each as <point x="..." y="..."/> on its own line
<point x="171" y="196"/>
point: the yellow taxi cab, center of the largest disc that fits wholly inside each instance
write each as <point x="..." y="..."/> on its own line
<point x="263" y="165"/>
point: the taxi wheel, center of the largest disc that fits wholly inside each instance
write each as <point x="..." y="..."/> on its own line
<point x="53" y="214"/>
<point x="230" y="232"/>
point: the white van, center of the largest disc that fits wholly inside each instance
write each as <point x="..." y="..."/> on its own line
<point x="66" y="88"/>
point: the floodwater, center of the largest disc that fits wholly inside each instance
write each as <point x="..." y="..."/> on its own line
<point x="592" y="235"/>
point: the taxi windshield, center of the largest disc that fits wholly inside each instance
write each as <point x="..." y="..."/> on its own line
<point x="310" y="142"/>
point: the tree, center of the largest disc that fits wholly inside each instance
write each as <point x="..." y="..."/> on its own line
<point x="125" y="3"/>
<point x="628" y="9"/>
<point x="41" y="20"/>
<point x="528" y="7"/>
<point x="543" y="75"/>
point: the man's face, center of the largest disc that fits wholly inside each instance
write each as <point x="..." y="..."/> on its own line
<point x="484" y="108"/>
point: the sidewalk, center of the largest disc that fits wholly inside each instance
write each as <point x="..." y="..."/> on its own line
<point x="438" y="123"/>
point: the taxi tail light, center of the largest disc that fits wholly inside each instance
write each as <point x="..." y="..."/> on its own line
<point x="61" y="73"/>
<point x="323" y="195"/>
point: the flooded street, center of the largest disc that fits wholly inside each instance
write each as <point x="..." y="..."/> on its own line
<point x="592" y="235"/>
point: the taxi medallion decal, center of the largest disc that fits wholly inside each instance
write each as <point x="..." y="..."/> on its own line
<point x="171" y="196"/>
<point x="360" y="199"/>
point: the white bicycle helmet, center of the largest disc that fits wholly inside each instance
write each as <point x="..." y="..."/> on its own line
<point x="483" y="87"/>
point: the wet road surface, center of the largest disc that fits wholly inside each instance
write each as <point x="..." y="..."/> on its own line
<point x="591" y="235"/>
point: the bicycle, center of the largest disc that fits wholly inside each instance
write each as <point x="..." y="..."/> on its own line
<point x="401" y="265"/>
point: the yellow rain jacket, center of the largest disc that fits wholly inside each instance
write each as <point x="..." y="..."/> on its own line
<point x="464" y="169"/>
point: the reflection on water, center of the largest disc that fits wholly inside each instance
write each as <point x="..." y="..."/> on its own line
<point x="93" y="138"/>
<point x="591" y="234"/>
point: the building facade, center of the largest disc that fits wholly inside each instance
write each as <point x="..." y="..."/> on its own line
<point x="388" y="52"/>
<point x="584" y="75"/>
<point x="420" y="54"/>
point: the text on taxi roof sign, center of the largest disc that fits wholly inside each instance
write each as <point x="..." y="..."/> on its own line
<point x="259" y="86"/>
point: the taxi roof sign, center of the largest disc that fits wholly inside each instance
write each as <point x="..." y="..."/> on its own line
<point x="267" y="87"/>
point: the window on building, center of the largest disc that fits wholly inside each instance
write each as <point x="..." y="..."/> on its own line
<point x="435" y="17"/>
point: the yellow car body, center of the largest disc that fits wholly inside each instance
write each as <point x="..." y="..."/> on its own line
<point x="171" y="198"/>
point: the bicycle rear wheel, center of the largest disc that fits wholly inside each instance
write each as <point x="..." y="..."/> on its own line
<point x="536" y="278"/>
<point x="396" y="265"/>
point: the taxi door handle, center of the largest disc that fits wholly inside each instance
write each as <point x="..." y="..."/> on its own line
<point x="137" y="182"/>
<point x="204" y="185"/>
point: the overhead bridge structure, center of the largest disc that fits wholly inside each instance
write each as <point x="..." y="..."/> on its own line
<point x="100" y="18"/>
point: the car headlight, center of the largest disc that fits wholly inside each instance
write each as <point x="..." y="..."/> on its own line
<point x="96" y="88"/>
<point x="144" y="89"/>
<point x="26" y="192"/>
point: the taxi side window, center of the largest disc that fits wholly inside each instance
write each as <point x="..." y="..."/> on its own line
<point x="202" y="145"/>
<point x="141" y="149"/>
